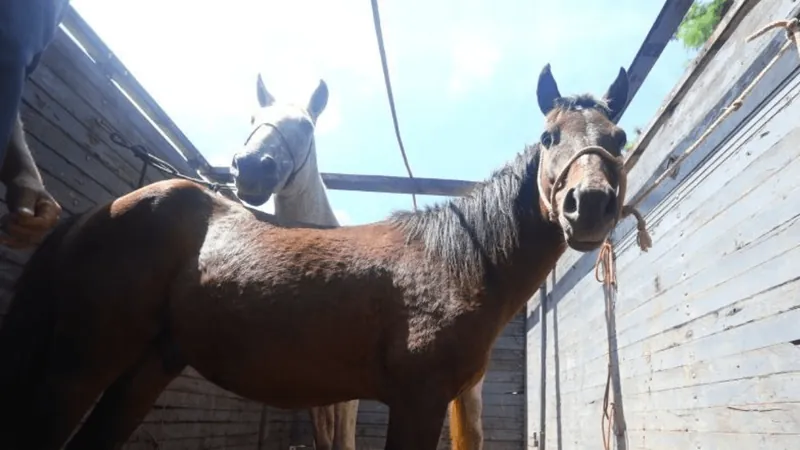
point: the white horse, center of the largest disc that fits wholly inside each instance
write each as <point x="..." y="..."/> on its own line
<point x="279" y="158"/>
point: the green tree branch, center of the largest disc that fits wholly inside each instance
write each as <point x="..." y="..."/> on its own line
<point x="700" y="22"/>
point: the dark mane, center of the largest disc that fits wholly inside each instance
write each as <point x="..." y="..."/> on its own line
<point x="581" y="101"/>
<point x="482" y="228"/>
<point x="472" y="233"/>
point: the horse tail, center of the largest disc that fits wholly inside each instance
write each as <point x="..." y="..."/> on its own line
<point x="28" y="327"/>
<point x="463" y="435"/>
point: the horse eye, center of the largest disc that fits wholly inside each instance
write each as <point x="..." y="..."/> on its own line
<point x="548" y="139"/>
<point x="622" y="139"/>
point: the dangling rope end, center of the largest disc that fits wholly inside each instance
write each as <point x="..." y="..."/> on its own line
<point x="642" y="236"/>
<point x="644" y="240"/>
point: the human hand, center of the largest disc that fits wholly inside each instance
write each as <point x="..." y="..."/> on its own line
<point x="33" y="212"/>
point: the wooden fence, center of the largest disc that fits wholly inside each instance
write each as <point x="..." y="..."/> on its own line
<point x="70" y="109"/>
<point x="705" y="345"/>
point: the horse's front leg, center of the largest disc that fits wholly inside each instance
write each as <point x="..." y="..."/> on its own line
<point x="345" y="427"/>
<point x="415" y="422"/>
<point x="466" y="427"/>
<point x="323" y="419"/>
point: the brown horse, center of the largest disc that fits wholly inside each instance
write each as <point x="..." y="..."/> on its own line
<point x="119" y="300"/>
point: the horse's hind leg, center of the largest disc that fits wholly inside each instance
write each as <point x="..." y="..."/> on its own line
<point x="48" y="412"/>
<point x="46" y="421"/>
<point x="126" y="402"/>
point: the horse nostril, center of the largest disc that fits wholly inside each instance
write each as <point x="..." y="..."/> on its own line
<point x="269" y="165"/>
<point x="570" y="202"/>
<point x="586" y="208"/>
<point x="611" y="205"/>
<point x="244" y="170"/>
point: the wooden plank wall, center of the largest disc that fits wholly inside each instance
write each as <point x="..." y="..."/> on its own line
<point x="706" y="321"/>
<point x="70" y="109"/>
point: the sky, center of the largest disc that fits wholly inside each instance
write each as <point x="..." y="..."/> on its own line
<point x="464" y="75"/>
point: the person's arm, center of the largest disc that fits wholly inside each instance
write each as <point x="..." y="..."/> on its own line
<point x="18" y="160"/>
<point x="32" y="210"/>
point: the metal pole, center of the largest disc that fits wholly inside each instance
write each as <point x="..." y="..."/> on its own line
<point x="543" y="364"/>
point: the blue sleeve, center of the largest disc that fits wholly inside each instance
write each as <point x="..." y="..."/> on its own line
<point x="26" y="28"/>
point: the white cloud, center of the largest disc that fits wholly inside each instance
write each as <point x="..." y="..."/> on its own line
<point x="222" y="47"/>
<point x="221" y="157"/>
<point x="317" y="37"/>
<point x="268" y="207"/>
<point x="474" y="60"/>
<point x="343" y="217"/>
<point x="331" y="117"/>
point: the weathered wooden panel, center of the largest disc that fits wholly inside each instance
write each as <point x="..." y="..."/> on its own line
<point x="70" y="108"/>
<point x="189" y="157"/>
<point x="706" y="321"/>
<point x="683" y="117"/>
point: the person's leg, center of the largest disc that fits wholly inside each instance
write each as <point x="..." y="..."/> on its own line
<point x="26" y="28"/>
<point x="12" y="81"/>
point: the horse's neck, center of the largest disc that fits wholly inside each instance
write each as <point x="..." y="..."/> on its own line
<point x="540" y="248"/>
<point x="519" y="270"/>
<point x="307" y="201"/>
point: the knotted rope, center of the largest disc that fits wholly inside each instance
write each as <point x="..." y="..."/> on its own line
<point x="605" y="273"/>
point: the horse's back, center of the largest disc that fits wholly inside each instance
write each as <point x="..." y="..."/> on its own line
<point x="158" y="226"/>
<point x="168" y="199"/>
<point x="115" y="263"/>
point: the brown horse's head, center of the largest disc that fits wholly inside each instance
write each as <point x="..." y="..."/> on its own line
<point x="584" y="200"/>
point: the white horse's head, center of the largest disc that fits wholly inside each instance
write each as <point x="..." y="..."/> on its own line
<point x="280" y="146"/>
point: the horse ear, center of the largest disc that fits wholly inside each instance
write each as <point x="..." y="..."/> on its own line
<point x="547" y="90"/>
<point x="319" y="99"/>
<point x="617" y="95"/>
<point x="264" y="97"/>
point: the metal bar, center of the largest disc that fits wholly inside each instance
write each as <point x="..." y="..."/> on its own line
<point x="375" y="183"/>
<point x="543" y="365"/>
<point x="664" y="27"/>
<point x="397" y="185"/>
<point x="734" y="15"/>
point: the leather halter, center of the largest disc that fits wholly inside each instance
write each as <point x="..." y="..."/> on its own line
<point x="285" y="142"/>
<point x="616" y="163"/>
